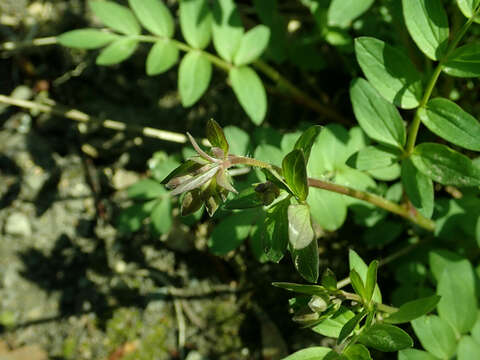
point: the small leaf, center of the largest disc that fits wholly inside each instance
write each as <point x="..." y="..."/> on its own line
<point x="468" y="349"/>
<point x="250" y="92"/>
<point x="194" y="76"/>
<point x="468" y="6"/>
<point x="384" y="337"/>
<point x="246" y="199"/>
<point x="435" y="335"/>
<point x="146" y="189"/>
<point x="329" y="280"/>
<point x="216" y="136"/>
<point x="357" y="352"/>
<point x="449" y="121"/>
<point x="377" y="117"/>
<point x="306" y="261"/>
<point x="252" y="45"/>
<point x="464" y="62"/>
<point x="371" y="281"/>
<point x="458" y="302"/>
<point x="163" y="55"/>
<point x="300" y="231"/>
<point x="301" y="288"/>
<point x="390" y="71"/>
<point x="358" y="285"/>
<point x="332" y="326"/>
<point x="356" y="263"/>
<point x="154" y="16"/>
<point x="227" y="28"/>
<point x="307" y="139"/>
<point x="187" y="167"/>
<point x="413" y="354"/>
<point x="116" y="17"/>
<point x="413" y="309"/>
<point x="445" y="166"/>
<point x="86" y="38"/>
<point x="373" y="157"/>
<point x="348" y="328"/>
<point x="117" y="51"/>
<point x="196" y="22"/>
<point x="342" y="12"/>
<point x="427" y="23"/>
<point x="161" y="216"/>
<point x="418" y="187"/>
<point x="295" y="174"/>
<point x="311" y="353"/>
<point x="238" y="140"/>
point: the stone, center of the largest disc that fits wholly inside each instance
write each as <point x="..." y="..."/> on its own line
<point x="17" y="224"/>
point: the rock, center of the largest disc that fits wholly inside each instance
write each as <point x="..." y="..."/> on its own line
<point x="122" y="179"/>
<point x="17" y="224"/>
<point x="195" y="355"/>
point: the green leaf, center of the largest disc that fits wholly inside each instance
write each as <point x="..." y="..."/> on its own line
<point x="312" y="353"/>
<point x="117" y="52"/>
<point x="329" y="280"/>
<point x="373" y="157"/>
<point x="413" y="354"/>
<point x="458" y="302"/>
<point x="116" y="17"/>
<point x="154" y="16"/>
<point x="440" y="260"/>
<point x="468" y="349"/>
<point x="427" y="23"/>
<point x="349" y="326"/>
<point x="250" y="92"/>
<point x="187" y="167"/>
<point x="332" y="326"/>
<point x="413" y="309"/>
<point x="231" y="232"/>
<point x="227" y="29"/>
<point x="246" y="199"/>
<point x="371" y="281"/>
<point x="196" y="22"/>
<point x="445" y="166"/>
<point x="377" y="117"/>
<point x="357" y="352"/>
<point x="358" y="285"/>
<point x="390" y="71"/>
<point x="295" y="173"/>
<point x="161" y="216"/>
<point x="464" y="62"/>
<point x="341" y="13"/>
<point x="418" y="187"/>
<point x="238" y="139"/>
<point x="163" y="55"/>
<point x="131" y="218"/>
<point x="449" y="121"/>
<point x="192" y="202"/>
<point x="436" y="336"/>
<point x="302" y="289"/>
<point x="300" y="231"/>
<point x="307" y="139"/>
<point x="86" y="38"/>
<point x="328" y="209"/>
<point x="468" y="6"/>
<point x="306" y="261"/>
<point x="194" y="76"/>
<point x="216" y="136"/>
<point x="146" y="189"/>
<point x="356" y="263"/>
<point x="385" y="337"/>
<point x="252" y="45"/>
<point x="476" y="329"/>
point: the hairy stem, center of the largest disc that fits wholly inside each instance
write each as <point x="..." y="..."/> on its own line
<point x="415" y="126"/>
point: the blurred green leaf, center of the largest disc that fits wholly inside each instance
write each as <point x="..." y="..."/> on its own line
<point x="312" y="353"/>
<point x="342" y="12"/>
<point x="445" y="166"/>
<point x="194" y="76"/>
<point x="449" y="121"/>
<point x="436" y="336"/>
<point x="131" y="218"/>
<point x="161" y="216"/>
<point x="250" y="92"/>
<point x="238" y="139"/>
<point x="418" y="187"/>
<point x="117" y="51"/>
<point x="357" y="352"/>
<point x="154" y="16"/>
<point x="300" y="231"/>
<point x="468" y="349"/>
<point x="329" y="280"/>
<point x="332" y="326"/>
<point x="464" y="61"/>
<point x="227" y="28"/>
<point x="413" y="309"/>
<point x="86" y="38"/>
<point x="163" y="55"/>
<point x="384" y="337"/>
<point x="468" y="6"/>
<point x="146" y="189"/>
<point x="116" y="17"/>
<point x="216" y="136"/>
<point x="307" y="139"/>
<point x="196" y="22"/>
<point x="252" y="45"/>
<point x="427" y="23"/>
<point x="390" y="72"/>
<point x="413" y="354"/>
<point x="373" y="157"/>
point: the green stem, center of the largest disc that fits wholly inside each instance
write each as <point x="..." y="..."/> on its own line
<point x="415" y="126"/>
<point x="376" y="200"/>
<point x="382" y="307"/>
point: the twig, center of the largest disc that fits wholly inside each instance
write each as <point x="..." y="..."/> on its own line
<point x="181" y="328"/>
